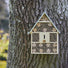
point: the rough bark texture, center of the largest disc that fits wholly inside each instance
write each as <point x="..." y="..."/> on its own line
<point x="22" y="19"/>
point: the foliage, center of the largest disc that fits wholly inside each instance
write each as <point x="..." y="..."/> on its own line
<point x="2" y="64"/>
<point x="3" y="58"/>
<point x="4" y="42"/>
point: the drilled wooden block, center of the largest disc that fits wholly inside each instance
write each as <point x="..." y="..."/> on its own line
<point x="54" y="30"/>
<point x="38" y="24"/>
<point x="34" y="45"/>
<point x="34" y="29"/>
<point x="40" y="45"/>
<point x="55" y="50"/>
<point x="41" y="50"/>
<point x="55" y="45"/>
<point x="34" y="50"/>
<point x="48" y="45"/>
<point x="44" y="29"/>
<point x="50" y="24"/>
<point x="48" y="50"/>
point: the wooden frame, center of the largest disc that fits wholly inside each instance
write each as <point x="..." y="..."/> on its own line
<point x="45" y="42"/>
<point x="44" y="21"/>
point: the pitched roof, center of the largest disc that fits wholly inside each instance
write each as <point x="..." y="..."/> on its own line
<point x="39" y="20"/>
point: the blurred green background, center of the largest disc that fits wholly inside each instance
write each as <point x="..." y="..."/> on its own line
<point x="4" y="32"/>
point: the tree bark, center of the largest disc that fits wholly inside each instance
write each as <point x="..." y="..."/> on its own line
<point x="23" y="15"/>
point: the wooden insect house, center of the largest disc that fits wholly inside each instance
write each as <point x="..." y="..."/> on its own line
<point x="44" y="36"/>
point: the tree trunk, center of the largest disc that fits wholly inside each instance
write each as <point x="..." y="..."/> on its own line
<point x="23" y="15"/>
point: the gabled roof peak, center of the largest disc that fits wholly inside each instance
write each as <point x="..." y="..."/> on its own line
<point x="48" y="19"/>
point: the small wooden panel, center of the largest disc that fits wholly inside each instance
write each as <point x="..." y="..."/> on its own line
<point x="41" y="37"/>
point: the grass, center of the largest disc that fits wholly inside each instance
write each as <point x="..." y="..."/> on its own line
<point x="3" y="64"/>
